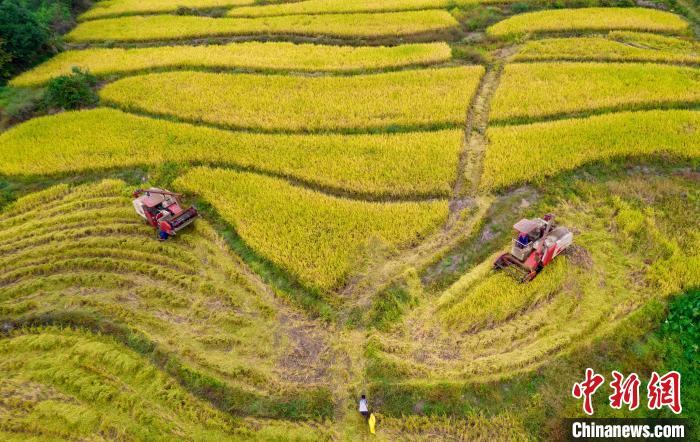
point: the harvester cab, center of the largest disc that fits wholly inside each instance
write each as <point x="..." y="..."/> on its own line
<point x="163" y="210"/>
<point x="538" y="242"/>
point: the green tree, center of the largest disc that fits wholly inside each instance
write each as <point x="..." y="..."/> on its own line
<point x="5" y="59"/>
<point x="25" y="37"/>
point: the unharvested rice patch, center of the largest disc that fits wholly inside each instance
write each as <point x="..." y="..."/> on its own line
<point x="319" y="239"/>
<point x="107" y="62"/>
<point x="174" y="27"/>
<point x="558" y="146"/>
<point x="546" y="90"/>
<point x="402" y="164"/>
<point x="114" y="8"/>
<point x="590" y="19"/>
<point x="343" y="6"/>
<point x="431" y="98"/>
<point x="618" y="46"/>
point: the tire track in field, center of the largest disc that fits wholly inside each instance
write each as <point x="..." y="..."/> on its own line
<point x="475" y="142"/>
<point x="464" y="197"/>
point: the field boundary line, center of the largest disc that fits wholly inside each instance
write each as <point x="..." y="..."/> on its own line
<point x="116" y="76"/>
<point x="608" y="60"/>
<point x="643" y="107"/>
<point x="447" y="35"/>
<point x="381" y="130"/>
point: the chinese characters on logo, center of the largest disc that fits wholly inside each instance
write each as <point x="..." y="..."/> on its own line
<point x="586" y="389"/>
<point x="662" y="391"/>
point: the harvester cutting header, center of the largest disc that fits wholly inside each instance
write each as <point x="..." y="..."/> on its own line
<point x="163" y="210"/>
<point x="539" y="241"/>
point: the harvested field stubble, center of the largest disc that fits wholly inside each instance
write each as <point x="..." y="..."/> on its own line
<point x="82" y="255"/>
<point x="90" y="386"/>
<point x="639" y="247"/>
<point x="61" y="384"/>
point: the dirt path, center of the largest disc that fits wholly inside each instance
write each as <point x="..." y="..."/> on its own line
<point x="466" y="206"/>
<point x="475" y="135"/>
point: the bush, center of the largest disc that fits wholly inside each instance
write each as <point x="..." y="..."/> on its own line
<point x="684" y="321"/>
<point x="72" y="91"/>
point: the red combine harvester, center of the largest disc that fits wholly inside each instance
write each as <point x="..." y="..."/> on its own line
<point x="539" y="241"/>
<point x="161" y="209"/>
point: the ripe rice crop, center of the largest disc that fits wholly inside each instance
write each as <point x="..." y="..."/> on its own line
<point x="104" y="62"/>
<point x="85" y="248"/>
<point x="656" y="41"/>
<point x="485" y="327"/>
<point x="380" y="164"/>
<point x="557" y="146"/>
<point x="430" y="98"/>
<point x="113" y="8"/>
<point x="174" y="27"/>
<point x="495" y="298"/>
<point x="589" y="19"/>
<point x="540" y="90"/>
<point x="343" y="6"/>
<point x="71" y="385"/>
<point x="61" y="384"/>
<point x="317" y="238"/>
<point x="607" y="49"/>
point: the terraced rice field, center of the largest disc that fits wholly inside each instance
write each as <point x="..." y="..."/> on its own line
<point x="270" y="56"/>
<point x="401" y="165"/>
<point x="616" y="46"/>
<point x="57" y="383"/>
<point x="342" y="6"/>
<point x="555" y="146"/>
<point x="318" y="238"/>
<point x="486" y="326"/>
<point x="590" y="19"/>
<point x="357" y="166"/>
<point x="546" y="90"/>
<point x="80" y="251"/>
<point x="115" y="8"/>
<point x="172" y="27"/>
<point x="416" y="99"/>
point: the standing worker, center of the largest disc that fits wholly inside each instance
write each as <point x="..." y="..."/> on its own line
<point x="364" y="410"/>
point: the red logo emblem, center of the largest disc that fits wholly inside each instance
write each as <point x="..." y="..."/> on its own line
<point x="587" y="388"/>
<point x="665" y="391"/>
<point x="626" y="391"/>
